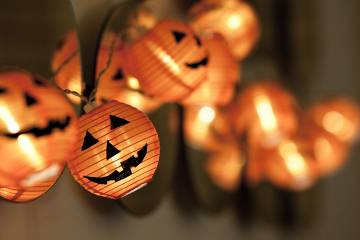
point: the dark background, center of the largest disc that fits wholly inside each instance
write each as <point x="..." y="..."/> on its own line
<point x="311" y="46"/>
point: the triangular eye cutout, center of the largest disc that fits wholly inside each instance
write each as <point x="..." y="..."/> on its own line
<point x="2" y="90"/>
<point x="119" y="75"/>
<point x="30" y="100"/>
<point x="178" y="36"/>
<point x="38" y="82"/>
<point x="89" y="141"/>
<point x="198" y="41"/>
<point x="110" y="150"/>
<point x="117" y="122"/>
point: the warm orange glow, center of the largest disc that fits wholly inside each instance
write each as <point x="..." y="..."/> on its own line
<point x="164" y="57"/>
<point x="338" y="125"/>
<point x="206" y="114"/>
<point x="265" y="113"/>
<point x="234" y="21"/>
<point x="294" y="161"/>
<point x="26" y="145"/>
<point x="8" y="119"/>
<point x="133" y="83"/>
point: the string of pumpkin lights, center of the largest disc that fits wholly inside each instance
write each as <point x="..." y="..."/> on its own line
<point x="194" y="64"/>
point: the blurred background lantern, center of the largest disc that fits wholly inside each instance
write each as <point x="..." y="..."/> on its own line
<point x="141" y="21"/>
<point x="234" y="19"/>
<point x="225" y="167"/>
<point x="118" y="152"/>
<point x="338" y="116"/>
<point x="206" y="127"/>
<point x="329" y="152"/>
<point x="30" y="193"/>
<point x="291" y="164"/>
<point x="38" y="129"/>
<point x="222" y="73"/>
<point x="266" y="111"/>
<point x="66" y="65"/>
<point x="169" y="61"/>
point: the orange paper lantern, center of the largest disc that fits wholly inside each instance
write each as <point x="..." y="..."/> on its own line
<point x="340" y="117"/>
<point x="223" y="71"/>
<point x="267" y="112"/>
<point x="170" y="61"/>
<point x="206" y="127"/>
<point x="235" y="20"/>
<point x="31" y="193"/>
<point x="118" y="153"/>
<point x="291" y="164"/>
<point x="225" y="167"/>
<point x="37" y="128"/>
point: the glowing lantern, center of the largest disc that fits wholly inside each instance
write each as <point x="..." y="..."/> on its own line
<point x="206" y="127"/>
<point x="267" y="112"/>
<point x="119" y="151"/>
<point x="235" y="20"/>
<point x="170" y="61"/>
<point x="66" y="63"/>
<point x="225" y="167"/>
<point x="222" y="73"/>
<point x="340" y="117"/>
<point x="37" y="129"/>
<point x="27" y="194"/>
<point x="329" y="152"/>
<point x="142" y="21"/>
<point x="291" y="165"/>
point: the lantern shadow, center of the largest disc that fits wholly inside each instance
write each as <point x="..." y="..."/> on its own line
<point x="155" y="191"/>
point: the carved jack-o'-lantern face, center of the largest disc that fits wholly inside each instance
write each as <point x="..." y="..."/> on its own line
<point x="119" y="151"/>
<point x="169" y="61"/>
<point x="37" y="128"/>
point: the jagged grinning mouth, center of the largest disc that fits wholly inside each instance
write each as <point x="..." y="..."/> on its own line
<point x="39" y="132"/>
<point x="126" y="165"/>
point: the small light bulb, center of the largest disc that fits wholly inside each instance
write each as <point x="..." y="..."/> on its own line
<point x="133" y="83"/>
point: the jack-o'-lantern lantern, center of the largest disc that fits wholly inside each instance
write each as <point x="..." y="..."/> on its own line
<point x="223" y="71"/>
<point x="291" y="164"/>
<point x="267" y="112"/>
<point x="225" y="167"/>
<point x="339" y="116"/>
<point x="206" y="127"/>
<point x="118" y="152"/>
<point x="170" y="61"/>
<point x="38" y="128"/>
<point x="31" y="193"/>
<point x="234" y="19"/>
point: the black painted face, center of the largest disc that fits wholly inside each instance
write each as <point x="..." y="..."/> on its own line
<point x="31" y="101"/>
<point x="179" y="37"/>
<point x="111" y="151"/>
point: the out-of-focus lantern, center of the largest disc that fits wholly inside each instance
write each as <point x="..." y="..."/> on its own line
<point x="170" y="61"/>
<point x="38" y="129"/>
<point x="339" y="116"/>
<point x="265" y="111"/>
<point x="31" y="193"/>
<point x="206" y="127"/>
<point x="141" y="21"/>
<point x="118" y="153"/>
<point x="66" y="65"/>
<point x="329" y="152"/>
<point x="291" y="164"/>
<point x="235" y="20"/>
<point x="223" y="71"/>
<point x="225" y="167"/>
